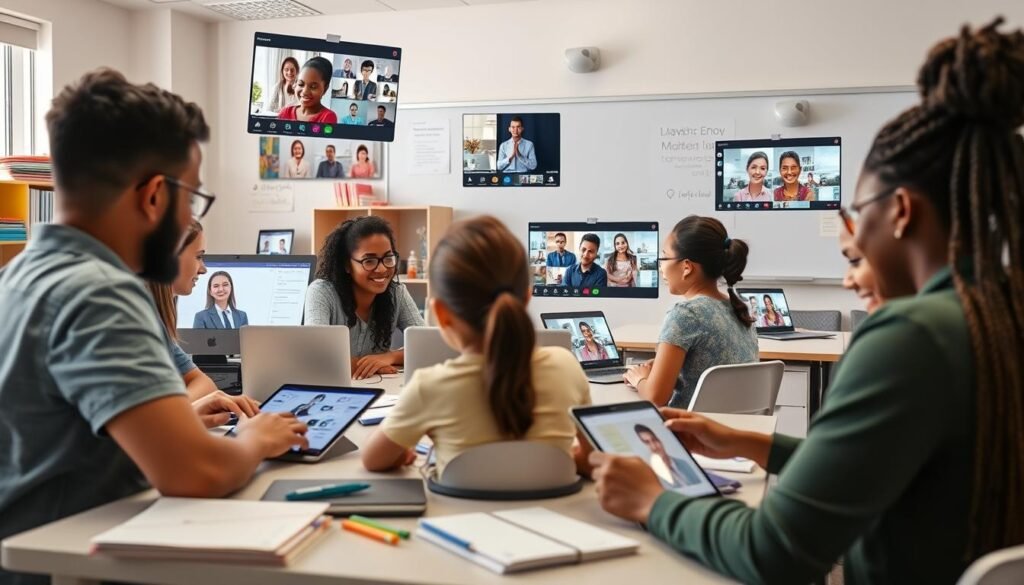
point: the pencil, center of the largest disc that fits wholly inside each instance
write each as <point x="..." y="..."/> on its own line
<point x="369" y="532"/>
<point x="403" y="534"/>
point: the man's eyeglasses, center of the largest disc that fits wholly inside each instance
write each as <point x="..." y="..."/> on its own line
<point x="200" y="201"/>
<point x="851" y="215"/>
<point x="372" y="262"/>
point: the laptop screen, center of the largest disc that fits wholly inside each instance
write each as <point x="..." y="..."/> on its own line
<point x="592" y="341"/>
<point x="769" y="308"/>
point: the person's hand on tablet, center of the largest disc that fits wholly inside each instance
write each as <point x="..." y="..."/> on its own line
<point x="273" y="433"/>
<point x="626" y="486"/>
<point x="706" y="437"/>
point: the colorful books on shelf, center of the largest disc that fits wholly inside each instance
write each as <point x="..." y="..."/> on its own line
<point x="228" y="531"/>
<point x="521" y="539"/>
<point x="12" y="230"/>
<point x="27" y="168"/>
<point x="354" y="195"/>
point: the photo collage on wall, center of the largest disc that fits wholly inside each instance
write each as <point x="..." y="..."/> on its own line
<point x="300" y="158"/>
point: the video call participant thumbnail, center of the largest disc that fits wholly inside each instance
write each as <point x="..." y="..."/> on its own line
<point x="314" y="81"/>
<point x="364" y="88"/>
<point x="381" y="120"/>
<point x="517" y="154"/>
<point x="586" y="273"/>
<point x="560" y="258"/>
<point x="757" y="170"/>
<point x="330" y="168"/>
<point x="220" y="311"/>
<point x="791" y="189"/>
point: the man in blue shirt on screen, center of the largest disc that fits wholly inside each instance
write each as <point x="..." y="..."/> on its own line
<point x="560" y="258"/>
<point x="586" y="274"/>
<point x="516" y="155"/>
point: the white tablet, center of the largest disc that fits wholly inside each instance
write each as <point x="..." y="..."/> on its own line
<point x="637" y="428"/>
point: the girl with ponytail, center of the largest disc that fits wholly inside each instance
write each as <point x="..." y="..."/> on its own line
<point x="913" y="467"/>
<point x="502" y="387"/>
<point x="707" y="327"/>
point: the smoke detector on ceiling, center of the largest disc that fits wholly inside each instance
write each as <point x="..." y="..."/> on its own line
<point x="258" y="9"/>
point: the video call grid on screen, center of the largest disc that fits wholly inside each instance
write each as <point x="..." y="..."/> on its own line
<point x="616" y="432"/>
<point x="345" y="88"/>
<point x="756" y="303"/>
<point x="637" y="277"/>
<point x="602" y="336"/>
<point x="266" y="292"/>
<point x="325" y="413"/>
<point x="275" y="242"/>
<point x="818" y="171"/>
<point x="490" y="159"/>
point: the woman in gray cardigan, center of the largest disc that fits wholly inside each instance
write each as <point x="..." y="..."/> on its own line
<point x="355" y="286"/>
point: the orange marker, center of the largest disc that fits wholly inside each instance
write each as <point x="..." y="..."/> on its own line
<point x="369" y="532"/>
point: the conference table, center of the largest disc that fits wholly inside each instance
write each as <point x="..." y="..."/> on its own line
<point x="61" y="549"/>
<point x="818" y="354"/>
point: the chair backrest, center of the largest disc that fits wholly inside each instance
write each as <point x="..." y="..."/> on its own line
<point x="1002" y="567"/>
<point x="424" y="346"/>
<point x="856" y="318"/>
<point x="739" y="388"/>
<point x="509" y="470"/>
<point x="818" y="320"/>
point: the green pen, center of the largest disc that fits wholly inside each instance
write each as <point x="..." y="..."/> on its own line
<point x="403" y="534"/>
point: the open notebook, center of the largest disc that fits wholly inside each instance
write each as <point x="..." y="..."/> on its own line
<point x="192" y="529"/>
<point x="522" y="539"/>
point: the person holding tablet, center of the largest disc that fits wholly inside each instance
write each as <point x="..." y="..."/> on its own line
<point x="355" y="286"/>
<point x="707" y="327"/>
<point x="911" y="469"/>
<point x="502" y="387"/>
<point x="757" y="170"/>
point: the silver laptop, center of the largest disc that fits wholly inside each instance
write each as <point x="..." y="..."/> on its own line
<point x="603" y="365"/>
<point x="424" y="347"/>
<point x="770" y="310"/>
<point x="273" y="356"/>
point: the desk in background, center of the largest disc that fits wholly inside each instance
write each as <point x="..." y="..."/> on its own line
<point x="61" y="548"/>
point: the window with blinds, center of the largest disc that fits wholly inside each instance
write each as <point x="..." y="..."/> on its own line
<point x="19" y="39"/>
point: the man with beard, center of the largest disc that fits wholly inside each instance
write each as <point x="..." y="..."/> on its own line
<point x="91" y="407"/>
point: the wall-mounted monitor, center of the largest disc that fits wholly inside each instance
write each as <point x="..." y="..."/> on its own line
<point x="605" y="259"/>
<point x="511" y="150"/>
<point x="773" y="175"/>
<point x="322" y="89"/>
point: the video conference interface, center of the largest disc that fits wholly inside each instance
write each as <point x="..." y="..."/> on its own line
<point x="234" y="293"/>
<point x="580" y="329"/>
<point x="642" y="433"/>
<point x="511" y="150"/>
<point x="772" y="175"/>
<point x="325" y="413"/>
<point x="607" y="259"/>
<point x="314" y="87"/>
<point x="768" y="308"/>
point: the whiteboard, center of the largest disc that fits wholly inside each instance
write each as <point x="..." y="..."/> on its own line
<point x="641" y="159"/>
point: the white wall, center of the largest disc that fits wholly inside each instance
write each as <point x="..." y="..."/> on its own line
<point x="150" y="36"/>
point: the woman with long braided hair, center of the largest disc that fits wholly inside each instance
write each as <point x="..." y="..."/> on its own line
<point x="915" y="465"/>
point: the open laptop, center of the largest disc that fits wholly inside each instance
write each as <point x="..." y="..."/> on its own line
<point x="276" y="355"/>
<point x="761" y="301"/>
<point x="602" y="366"/>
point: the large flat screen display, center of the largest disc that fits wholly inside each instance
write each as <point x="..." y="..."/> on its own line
<point x="511" y="150"/>
<point x="774" y="175"/>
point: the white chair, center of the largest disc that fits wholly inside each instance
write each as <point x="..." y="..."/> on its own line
<point x="425" y="347"/>
<point x="509" y="470"/>
<point x="1002" y="567"/>
<point x="739" y="389"/>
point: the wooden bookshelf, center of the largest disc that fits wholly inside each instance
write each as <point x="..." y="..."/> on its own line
<point x="404" y="220"/>
<point x="14" y="204"/>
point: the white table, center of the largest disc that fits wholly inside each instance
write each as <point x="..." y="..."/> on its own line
<point x="61" y="548"/>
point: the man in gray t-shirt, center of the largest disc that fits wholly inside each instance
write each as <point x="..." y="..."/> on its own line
<point x="91" y="406"/>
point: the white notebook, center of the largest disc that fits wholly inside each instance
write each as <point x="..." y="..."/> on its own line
<point x="230" y="530"/>
<point x="521" y="539"/>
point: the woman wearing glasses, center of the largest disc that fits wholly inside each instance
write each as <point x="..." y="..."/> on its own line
<point x="355" y="286"/>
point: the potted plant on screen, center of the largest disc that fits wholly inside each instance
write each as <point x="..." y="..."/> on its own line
<point x="257" y="96"/>
<point x="471" y="146"/>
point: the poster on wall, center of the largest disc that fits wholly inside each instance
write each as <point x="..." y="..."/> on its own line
<point x="319" y="158"/>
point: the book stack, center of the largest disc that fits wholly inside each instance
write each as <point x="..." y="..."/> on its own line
<point x="40" y="208"/>
<point x="354" y="195"/>
<point x="12" y="230"/>
<point x="30" y="169"/>
<point x="228" y="531"/>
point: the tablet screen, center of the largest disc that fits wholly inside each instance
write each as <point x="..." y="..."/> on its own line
<point x="640" y="431"/>
<point x="327" y="411"/>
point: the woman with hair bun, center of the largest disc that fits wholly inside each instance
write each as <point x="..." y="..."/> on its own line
<point x="707" y="327"/>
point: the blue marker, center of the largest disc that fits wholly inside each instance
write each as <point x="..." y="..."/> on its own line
<point x="325" y="491"/>
<point x="447" y="536"/>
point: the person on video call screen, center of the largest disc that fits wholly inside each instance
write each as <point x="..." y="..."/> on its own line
<point x="671" y="471"/>
<point x="586" y="273"/>
<point x="516" y="155"/>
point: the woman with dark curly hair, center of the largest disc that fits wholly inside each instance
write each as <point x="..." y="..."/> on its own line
<point x="355" y="286"/>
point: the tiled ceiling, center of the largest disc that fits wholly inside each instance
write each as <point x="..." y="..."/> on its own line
<point x="244" y="9"/>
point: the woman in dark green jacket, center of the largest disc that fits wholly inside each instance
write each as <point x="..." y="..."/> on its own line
<point x="914" y="466"/>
